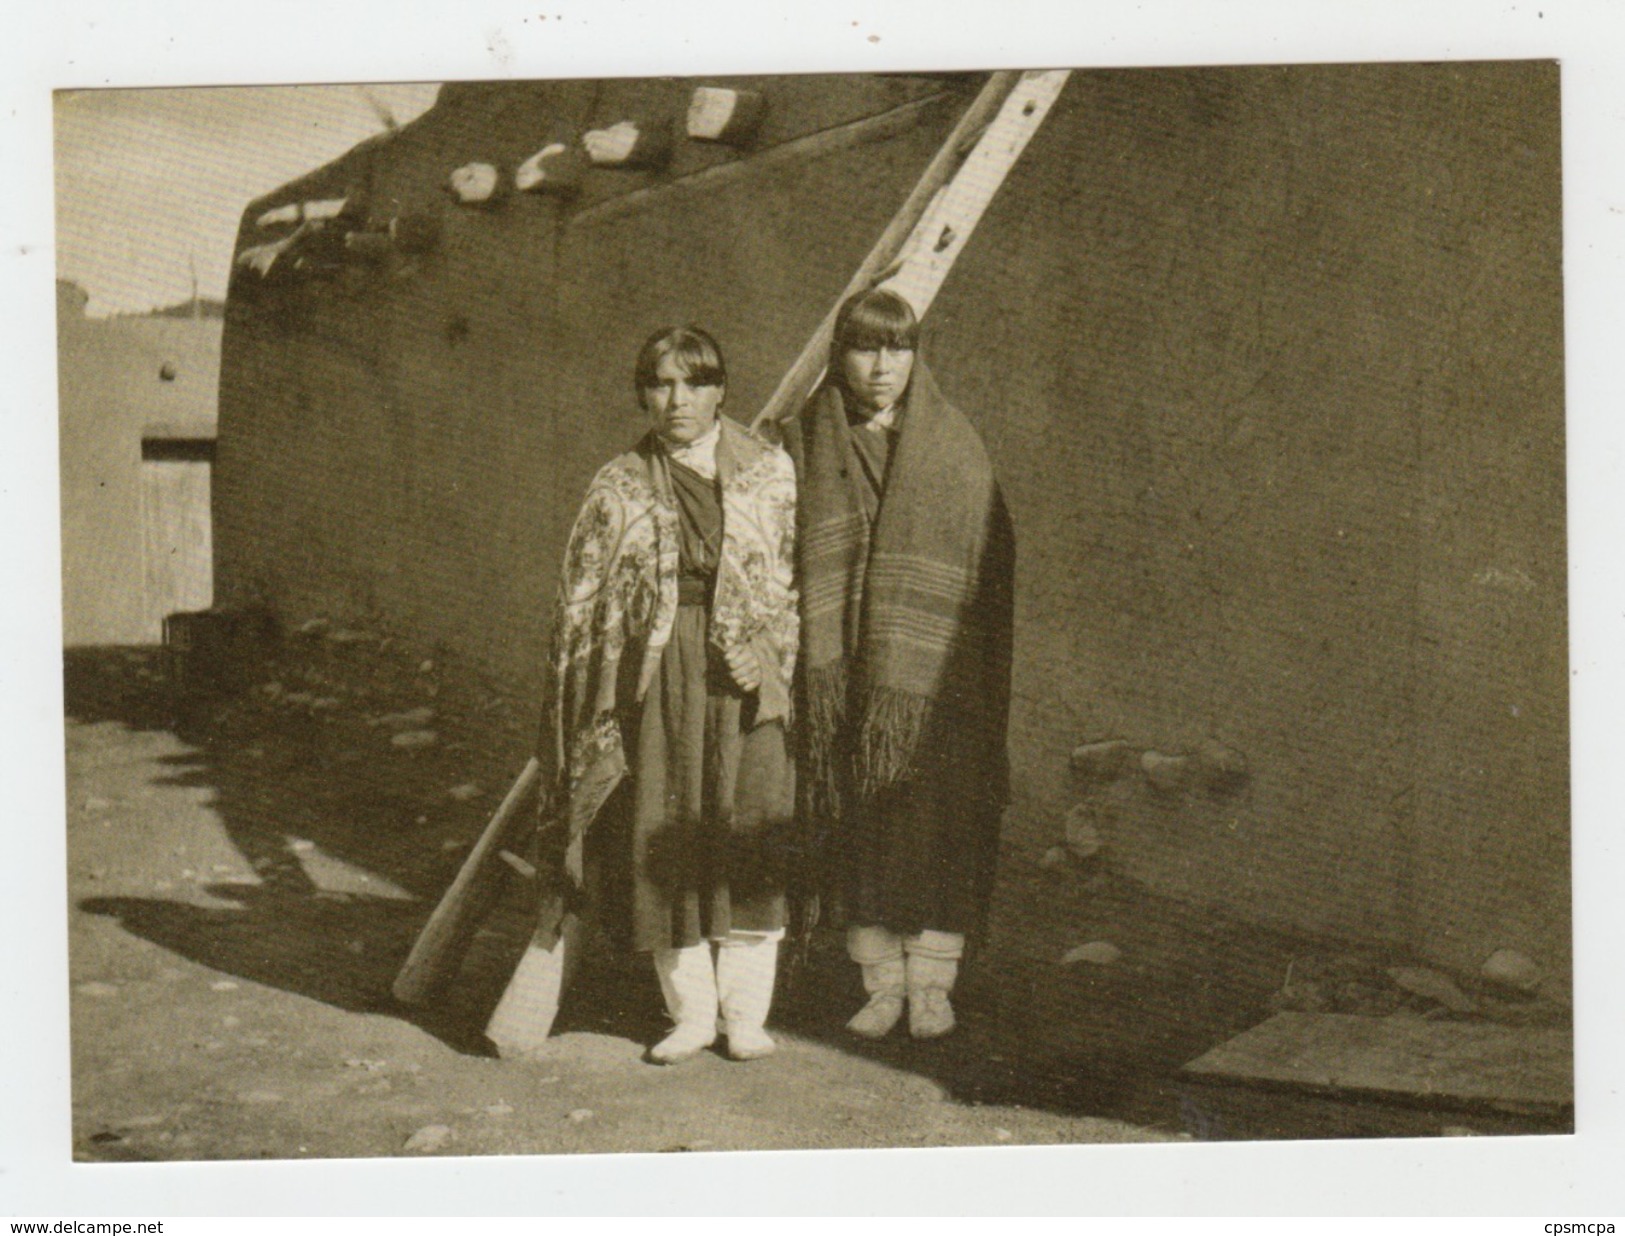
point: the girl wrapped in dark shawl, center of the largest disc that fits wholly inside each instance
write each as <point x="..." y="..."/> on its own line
<point x="668" y="789"/>
<point x="906" y="558"/>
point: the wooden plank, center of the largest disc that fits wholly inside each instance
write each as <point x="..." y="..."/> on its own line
<point x="1410" y="1058"/>
<point x="523" y="1018"/>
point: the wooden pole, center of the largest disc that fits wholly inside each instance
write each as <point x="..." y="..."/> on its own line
<point x="439" y="948"/>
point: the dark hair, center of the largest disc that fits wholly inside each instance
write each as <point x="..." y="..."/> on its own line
<point x="694" y="350"/>
<point x="875" y="319"/>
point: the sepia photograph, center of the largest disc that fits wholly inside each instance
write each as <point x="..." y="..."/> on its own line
<point x="611" y="613"/>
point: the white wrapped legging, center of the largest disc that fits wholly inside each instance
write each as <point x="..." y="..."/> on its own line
<point x="873" y="946"/>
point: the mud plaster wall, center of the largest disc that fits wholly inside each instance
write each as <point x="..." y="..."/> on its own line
<point x="1269" y="361"/>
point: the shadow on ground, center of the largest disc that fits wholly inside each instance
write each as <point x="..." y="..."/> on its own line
<point x="350" y="837"/>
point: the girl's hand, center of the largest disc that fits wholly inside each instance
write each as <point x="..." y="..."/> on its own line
<point x="744" y="667"/>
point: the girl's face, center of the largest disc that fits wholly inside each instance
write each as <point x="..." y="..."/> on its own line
<point x="679" y="410"/>
<point x="877" y="377"/>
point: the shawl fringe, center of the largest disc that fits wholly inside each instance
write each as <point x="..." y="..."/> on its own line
<point x="885" y="747"/>
<point x="823" y="717"/>
<point x="890" y="738"/>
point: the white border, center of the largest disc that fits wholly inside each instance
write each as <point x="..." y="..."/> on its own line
<point x="57" y="43"/>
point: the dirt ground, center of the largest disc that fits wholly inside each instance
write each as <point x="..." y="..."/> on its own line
<point x="247" y="870"/>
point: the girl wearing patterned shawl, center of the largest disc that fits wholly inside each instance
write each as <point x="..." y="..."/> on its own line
<point x="906" y="571"/>
<point x="669" y="793"/>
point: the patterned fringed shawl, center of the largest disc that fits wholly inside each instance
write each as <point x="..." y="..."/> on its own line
<point x="906" y="628"/>
<point x="618" y="600"/>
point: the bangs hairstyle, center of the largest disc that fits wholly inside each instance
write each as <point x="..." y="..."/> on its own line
<point x="876" y="319"/>
<point x="695" y="351"/>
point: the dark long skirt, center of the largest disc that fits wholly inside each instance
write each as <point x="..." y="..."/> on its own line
<point x="920" y="856"/>
<point x="695" y="845"/>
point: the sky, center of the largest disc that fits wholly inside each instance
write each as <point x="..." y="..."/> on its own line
<point x="151" y="182"/>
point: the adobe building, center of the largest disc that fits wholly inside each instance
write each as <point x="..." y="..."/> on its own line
<point x="137" y="425"/>
<point x="1269" y="361"/>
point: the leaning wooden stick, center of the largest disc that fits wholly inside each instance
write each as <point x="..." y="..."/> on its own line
<point x="439" y="950"/>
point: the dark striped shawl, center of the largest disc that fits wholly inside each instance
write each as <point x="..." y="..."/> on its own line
<point x="905" y="625"/>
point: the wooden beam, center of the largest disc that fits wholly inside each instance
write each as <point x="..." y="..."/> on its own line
<point x="440" y="946"/>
